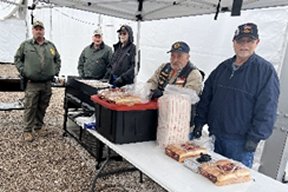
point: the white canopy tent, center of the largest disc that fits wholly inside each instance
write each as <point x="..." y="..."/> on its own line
<point x="210" y="41"/>
<point x="147" y="10"/>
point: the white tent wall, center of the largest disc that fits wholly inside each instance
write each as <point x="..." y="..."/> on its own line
<point x="12" y="33"/>
<point x="210" y="40"/>
<point x="71" y="30"/>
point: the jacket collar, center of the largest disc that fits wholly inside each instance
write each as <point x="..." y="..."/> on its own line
<point x="101" y="45"/>
<point x="33" y="41"/>
<point x="244" y="65"/>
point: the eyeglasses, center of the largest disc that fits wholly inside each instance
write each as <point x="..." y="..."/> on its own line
<point x="123" y="33"/>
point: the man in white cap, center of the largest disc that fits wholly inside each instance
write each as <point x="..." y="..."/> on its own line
<point x="95" y="58"/>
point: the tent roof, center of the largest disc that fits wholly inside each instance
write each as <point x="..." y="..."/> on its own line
<point x="161" y="9"/>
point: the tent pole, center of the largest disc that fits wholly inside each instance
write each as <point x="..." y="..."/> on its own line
<point x="137" y="59"/>
<point x="137" y="56"/>
<point x="51" y="26"/>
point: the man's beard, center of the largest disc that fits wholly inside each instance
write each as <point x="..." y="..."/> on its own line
<point x="39" y="37"/>
<point x="176" y="66"/>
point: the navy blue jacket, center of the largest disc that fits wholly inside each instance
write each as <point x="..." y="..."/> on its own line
<point x="240" y="105"/>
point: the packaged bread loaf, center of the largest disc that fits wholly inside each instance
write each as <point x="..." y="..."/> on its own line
<point x="225" y="172"/>
<point x="180" y="152"/>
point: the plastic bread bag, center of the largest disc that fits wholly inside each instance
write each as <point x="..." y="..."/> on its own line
<point x="192" y="164"/>
<point x="206" y="140"/>
<point x="139" y="89"/>
<point x="181" y="91"/>
<point x="174" y="115"/>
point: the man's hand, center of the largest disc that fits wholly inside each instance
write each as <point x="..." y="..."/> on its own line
<point x="250" y="146"/>
<point x="196" y="133"/>
<point x="156" y="93"/>
<point x="107" y="76"/>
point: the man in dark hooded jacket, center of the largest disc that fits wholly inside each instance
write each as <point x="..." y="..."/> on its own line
<point x="120" y="71"/>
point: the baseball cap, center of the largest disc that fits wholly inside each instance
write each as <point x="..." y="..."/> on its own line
<point x="246" y="30"/>
<point x="180" y="46"/>
<point x="38" y="24"/>
<point x="123" y="28"/>
<point x="98" y="32"/>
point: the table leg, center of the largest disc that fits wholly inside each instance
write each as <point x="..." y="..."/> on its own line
<point x="141" y="177"/>
<point x="101" y="167"/>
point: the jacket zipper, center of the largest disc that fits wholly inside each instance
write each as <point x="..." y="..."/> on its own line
<point x="232" y="74"/>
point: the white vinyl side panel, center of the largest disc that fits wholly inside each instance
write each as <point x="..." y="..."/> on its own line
<point x="12" y="33"/>
<point x="275" y="153"/>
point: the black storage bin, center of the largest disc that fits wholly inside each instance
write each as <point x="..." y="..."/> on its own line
<point x="80" y="90"/>
<point x="10" y="84"/>
<point x="126" y="126"/>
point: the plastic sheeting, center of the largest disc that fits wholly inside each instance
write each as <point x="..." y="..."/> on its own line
<point x="12" y="33"/>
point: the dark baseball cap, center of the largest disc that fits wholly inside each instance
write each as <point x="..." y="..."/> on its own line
<point x="246" y="30"/>
<point x="123" y="28"/>
<point x="180" y="46"/>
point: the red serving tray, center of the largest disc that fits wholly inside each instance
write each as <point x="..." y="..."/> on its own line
<point x="151" y="105"/>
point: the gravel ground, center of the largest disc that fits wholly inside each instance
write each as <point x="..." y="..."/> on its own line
<point x="53" y="163"/>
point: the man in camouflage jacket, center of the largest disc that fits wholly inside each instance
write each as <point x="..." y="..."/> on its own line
<point x="37" y="61"/>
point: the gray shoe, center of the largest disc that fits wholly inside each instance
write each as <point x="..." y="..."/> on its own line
<point x="28" y="136"/>
<point x="41" y="132"/>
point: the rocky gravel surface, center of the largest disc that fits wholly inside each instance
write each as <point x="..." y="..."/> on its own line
<point x="53" y="163"/>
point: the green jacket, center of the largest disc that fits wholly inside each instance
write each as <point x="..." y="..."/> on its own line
<point x="37" y="62"/>
<point x="93" y="62"/>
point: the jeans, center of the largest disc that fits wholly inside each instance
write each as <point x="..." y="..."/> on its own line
<point x="234" y="149"/>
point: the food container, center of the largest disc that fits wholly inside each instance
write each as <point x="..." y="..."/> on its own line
<point x="126" y="124"/>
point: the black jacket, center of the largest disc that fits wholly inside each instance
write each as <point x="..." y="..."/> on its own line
<point x="123" y="61"/>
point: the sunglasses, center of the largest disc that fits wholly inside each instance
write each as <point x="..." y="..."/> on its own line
<point x="123" y="33"/>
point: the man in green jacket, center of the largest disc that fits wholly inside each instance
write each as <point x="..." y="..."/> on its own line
<point x="38" y="61"/>
<point x="94" y="58"/>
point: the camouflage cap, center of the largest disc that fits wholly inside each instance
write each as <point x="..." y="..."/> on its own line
<point x="38" y="24"/>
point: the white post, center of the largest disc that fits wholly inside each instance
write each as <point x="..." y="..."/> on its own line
<point x="51" y="24"/>
<point x="137" y="59"/>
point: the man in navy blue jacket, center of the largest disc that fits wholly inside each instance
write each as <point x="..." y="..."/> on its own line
<point x="239" y="100"/>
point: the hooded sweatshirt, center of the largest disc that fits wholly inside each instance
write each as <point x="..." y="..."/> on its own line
<point x="123" y="60"/>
